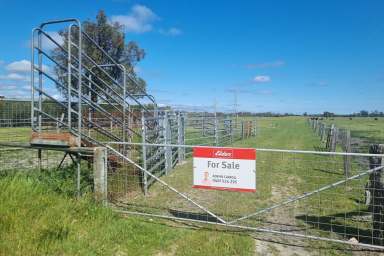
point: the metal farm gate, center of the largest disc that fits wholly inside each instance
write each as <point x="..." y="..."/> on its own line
<point x="299" y="194"/>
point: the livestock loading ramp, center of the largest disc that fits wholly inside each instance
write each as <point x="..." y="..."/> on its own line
<point x="81" y="100"/>
<point x="73" y="92"/>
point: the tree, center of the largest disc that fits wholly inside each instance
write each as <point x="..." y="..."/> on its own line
<point x="328" y="114"/>
<point x="364" y="113"/>
<point x="111" y="38"/>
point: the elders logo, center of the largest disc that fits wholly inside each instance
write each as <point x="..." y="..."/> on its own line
<point x="223" y="154"/>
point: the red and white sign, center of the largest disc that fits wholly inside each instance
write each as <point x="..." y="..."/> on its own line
<point x="224" y="168"/>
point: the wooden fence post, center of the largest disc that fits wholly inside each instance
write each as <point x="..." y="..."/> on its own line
<point x="328" y="145"/>
<point x="375" y="190"/>
<point x="334" y="138"/>
<point x="100" y="167"/>
<point x="347" y="148"/>
<point x="254" y="130"/>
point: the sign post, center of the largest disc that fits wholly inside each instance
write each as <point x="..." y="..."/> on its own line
<point x="232" y="169"/>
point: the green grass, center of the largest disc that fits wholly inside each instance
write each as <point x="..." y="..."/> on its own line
<point x="279" y="176"/>
<point x="15" y="134"/>
<point x="39" y="216"/>
<point x="366" y="128"/>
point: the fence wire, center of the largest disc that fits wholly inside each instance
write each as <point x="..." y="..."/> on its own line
<point x="297" y="194"/>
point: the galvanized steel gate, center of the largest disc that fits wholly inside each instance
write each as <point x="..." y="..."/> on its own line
<point x="302" y="194"/>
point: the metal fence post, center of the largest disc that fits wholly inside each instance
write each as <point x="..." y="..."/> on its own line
<point x="180" y="137"/>
<point x="242" y="129"/>
<point x="100" y="168"/>
<point x="167" y="139"/>
<point x="144" y="151"/>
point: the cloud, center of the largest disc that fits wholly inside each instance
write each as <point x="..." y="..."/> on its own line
<point x="262" y="79"/>
<point x="47" y="44"/>
<point x="14" y="91"/>
<point x="140" y="19"/>
<point x="272" y="64"/>
<point x="171" y="31"/>
<point x="5" y="87"/>
<point x="162" y="105"/>
<point x="22" y="66"/>
<point x="14" y="77"/>
<point x="189" y="107"/>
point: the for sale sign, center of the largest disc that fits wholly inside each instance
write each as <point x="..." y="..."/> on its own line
<point x="224" y="168"/>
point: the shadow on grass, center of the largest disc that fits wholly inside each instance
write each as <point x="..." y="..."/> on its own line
<point x="194" y="216"/>
<point x="340" y="224"/>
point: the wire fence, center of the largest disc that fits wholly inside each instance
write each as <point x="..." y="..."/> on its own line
<point x="298" y="193"/>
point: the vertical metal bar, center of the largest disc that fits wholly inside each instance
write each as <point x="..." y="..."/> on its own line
<point x="124" y="107"/>
<point x="183" y="122"/>
<point x="79" y="91"/>
<point x="168" y="154"/>
<point x="130" y="126"/>
<point x="40" y="63"/>
<point x="144" y="152"/>
<point x="33" y="80"/>
<point x="69" y="78"/>
<point x="90" y="110"/>
<point x="180" y="139"/>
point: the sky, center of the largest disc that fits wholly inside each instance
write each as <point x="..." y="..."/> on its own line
<point x="280" y="56"/>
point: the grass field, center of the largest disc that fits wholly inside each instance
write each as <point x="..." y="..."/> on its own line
<point x="367" y="129"/>
<point x="38" y="214"/>
<point x="279" y="176"/>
